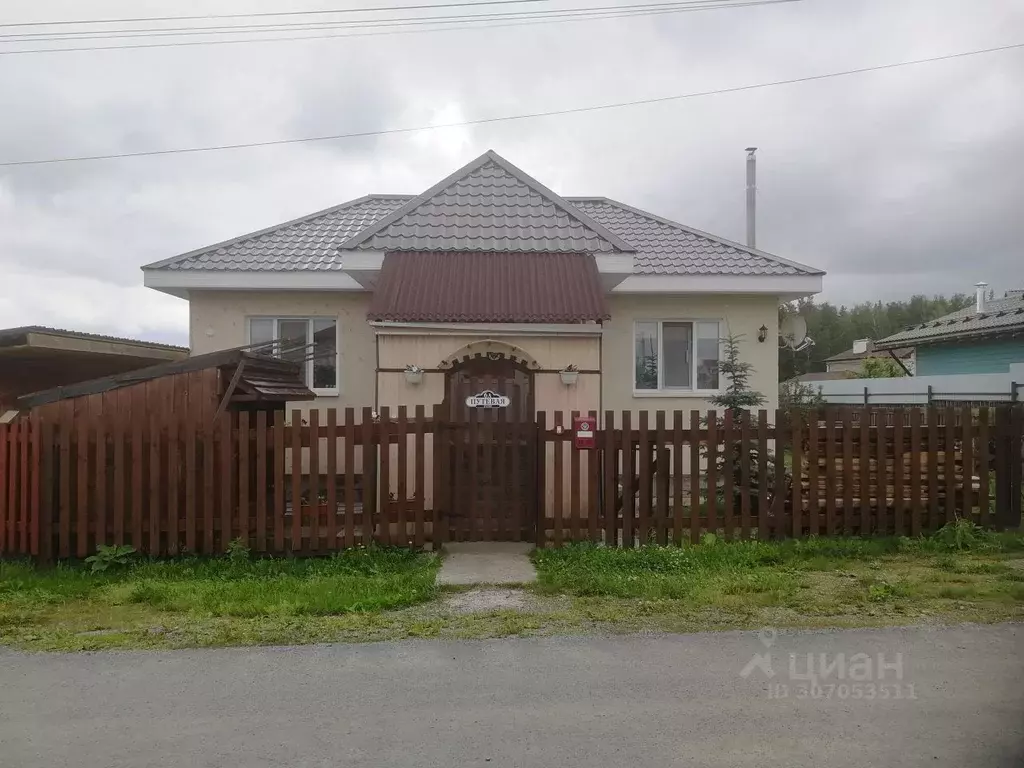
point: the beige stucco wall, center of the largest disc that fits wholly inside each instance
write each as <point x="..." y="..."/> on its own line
<point x="219" y="320"/>
<point x="738" y="315"/>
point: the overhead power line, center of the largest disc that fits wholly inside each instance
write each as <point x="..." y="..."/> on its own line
<point x="509" y="118"/>
<point x="433" y="26"/>
<point x="105" y="34"/>
<point x="258" y="14"/>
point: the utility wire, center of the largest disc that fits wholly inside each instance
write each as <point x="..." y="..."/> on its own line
<point x="335" y="24"/>
<point x="214" y="16"/>
<point x="438" y="28"/>
<point x="509" y="118"/>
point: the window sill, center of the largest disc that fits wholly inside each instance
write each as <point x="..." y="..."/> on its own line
<point x="326" y="392"/>
<point x="681" y="393"/>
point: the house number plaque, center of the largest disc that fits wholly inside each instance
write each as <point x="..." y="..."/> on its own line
<point x="488" y="399"/>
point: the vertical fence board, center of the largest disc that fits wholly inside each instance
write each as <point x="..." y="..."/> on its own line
<point x="611" y="533"/>
<point x="517" y="438"/>
<point x="558" y="446"/>
<point x="848" y="471"/>
<point x="295" y="544"/>
<point x="369" y="457"/>
<point x="983" y="457"/>
<point x="967" y="433"/>
<point x="262" y="486"/>
<point x="574" y="485"/>
<point x="314" y="507"/>
<point x="5" y="507"/>
<point x="226" y="477"/>
<point x="1013" y="520"/>
<point x="172" y="539"/>
<point x="864" y="473"/>
<point x="762" y="474"/>
<point x="677" y="477"/>
<point x="101" y="476"/>
<point x="191" y="439"/>
<point x="694" y="476"/>
<point x="729" y="466"/>
<point x="882" y="518"/>
<point x="82" y="485"/>
<point x="779" y="502"/>
<point x="208" y="510"/>
<point x="830" y="475"/>
<point x="44" y="517"/>
<point x="795" y="425"/>
<point x="949" y="463"/>
<point x="279" y="481"/>
<point x="898" y="474"/>
<point x="386" y="509"/>
<point x="711" y="492"/>
<point x="661" y="520"/>
<point x="594" y="487"/>
<point x="502" y="452"/>
<point x="331" y="479"/>
<point x="915" y="476"/>
<point x="244" y="516"/>
<point x="645" y="479"/>
<point x="933" y="469"/>
<point x="540" y="534"/>
<point x="153" y="511"/>
<point x="627" y="479"/>
<point x="350" y="483"/>
<point x="813" y="467"/>
<point x="438" y="500"/>
<point x="64" y="537"/>
<point x="419" y="476"/>
<point x="25" y="483"/>
<point x="402" y="496"/>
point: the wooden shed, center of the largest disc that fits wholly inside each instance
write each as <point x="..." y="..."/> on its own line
<point x="193" y="390"/>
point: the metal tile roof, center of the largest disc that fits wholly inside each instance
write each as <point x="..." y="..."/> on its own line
<point x="1001" y="316"/>
<point x="488" y="287"/>
<point x="665" y="247"/>
<point x="19" y="336"/>
<point x="307" y="243"/>
<point x="488" y="205"/>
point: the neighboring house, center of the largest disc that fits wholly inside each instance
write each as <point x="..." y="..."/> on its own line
<point x="987" y="337"/>
<point x="852" y="360"/>
<point x="34" y="358"/>
<point x="806" y="378"/>
<point x="490" y="281"/>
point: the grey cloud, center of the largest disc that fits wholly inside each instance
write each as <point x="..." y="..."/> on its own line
<point x="895" y="182"/>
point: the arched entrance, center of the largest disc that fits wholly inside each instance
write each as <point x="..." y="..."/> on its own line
<point x="492" y="465"/>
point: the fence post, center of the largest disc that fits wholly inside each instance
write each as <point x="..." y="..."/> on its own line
<point x="541" y="453"/>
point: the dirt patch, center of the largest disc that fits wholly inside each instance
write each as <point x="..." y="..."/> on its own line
<point x="482" y="600"/>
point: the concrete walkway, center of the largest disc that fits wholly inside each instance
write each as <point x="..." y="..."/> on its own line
<point x="486" y="562"/>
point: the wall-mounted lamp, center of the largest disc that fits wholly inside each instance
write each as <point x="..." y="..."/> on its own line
<point x="762" y="333"/>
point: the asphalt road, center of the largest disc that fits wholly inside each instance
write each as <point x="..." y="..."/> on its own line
<point x="586" y="701"/>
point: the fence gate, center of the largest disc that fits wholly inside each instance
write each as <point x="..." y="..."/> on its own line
<point x="492" y="439"/>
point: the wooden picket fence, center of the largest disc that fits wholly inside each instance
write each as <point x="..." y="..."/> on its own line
<point x="319" y="481"/>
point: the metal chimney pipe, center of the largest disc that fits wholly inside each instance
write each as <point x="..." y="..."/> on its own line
<point x="751" y="197"/>
<point x="979" y="304"/>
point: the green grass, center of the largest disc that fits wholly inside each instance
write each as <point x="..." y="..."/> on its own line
<point x="158" y="593"/>
<point x="385" y="594"/>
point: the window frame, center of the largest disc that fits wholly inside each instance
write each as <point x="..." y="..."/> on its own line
<point x="662" y="390"/>
<point x="334" y="391"/>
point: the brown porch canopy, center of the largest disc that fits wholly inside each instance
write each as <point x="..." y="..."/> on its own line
<point x="488" y="287"/>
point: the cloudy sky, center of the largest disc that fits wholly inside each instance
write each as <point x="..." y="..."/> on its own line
<point x="901" y="181"/>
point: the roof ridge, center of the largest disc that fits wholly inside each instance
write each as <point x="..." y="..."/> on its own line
<point x="701" y="233"/>
<point x="266" y="230"/>
<point x="490" y="156"/>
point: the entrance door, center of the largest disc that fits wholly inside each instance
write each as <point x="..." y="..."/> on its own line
<point x="493" y="451"/>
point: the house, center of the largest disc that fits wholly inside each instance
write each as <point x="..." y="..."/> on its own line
<point x="987" y="337"/>
<point x="852" y="360"/>
<point x="34" y="358"/>
<point x="488" y="283"/>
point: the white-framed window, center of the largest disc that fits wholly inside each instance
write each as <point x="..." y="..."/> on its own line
<point x="322" y="371"/>
<point x="676" y="356"/>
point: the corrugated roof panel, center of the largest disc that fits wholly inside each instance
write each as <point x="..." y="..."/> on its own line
<point x="488" y="287"/>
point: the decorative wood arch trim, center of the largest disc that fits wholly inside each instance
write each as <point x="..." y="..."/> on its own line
<point x="490" y="349"/>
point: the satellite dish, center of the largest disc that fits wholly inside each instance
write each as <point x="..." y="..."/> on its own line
<point x="792" y="331"/>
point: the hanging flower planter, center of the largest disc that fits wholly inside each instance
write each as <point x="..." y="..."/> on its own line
<point x="569" y="375"/>
<point x="413" y="374"/>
